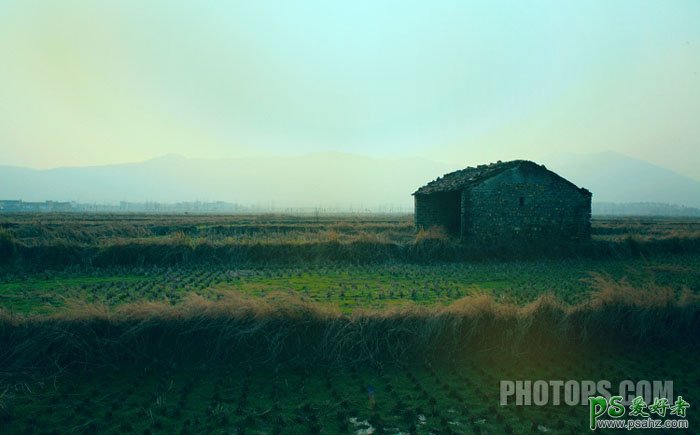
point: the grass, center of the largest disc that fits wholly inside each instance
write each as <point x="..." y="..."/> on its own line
<point x="278" y="324"/>
<point x="446" y="397"/>
<point x="346" y="287"/>
<point x="283" y="327"/>
<point x="285" y="366"/>
<point x="88" y="230"/>
<point x="57" y="241"/>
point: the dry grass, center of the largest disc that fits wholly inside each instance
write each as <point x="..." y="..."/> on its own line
<point x="280" y="327"/>
<point x="39" y="242"/>
<point x="436" y="233"/>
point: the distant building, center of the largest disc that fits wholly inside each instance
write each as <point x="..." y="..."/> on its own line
<point x="60" y="206"/>
<point x="15" y="205"/>
<point x="10" y="205"/>
<point x="505" y="202"/>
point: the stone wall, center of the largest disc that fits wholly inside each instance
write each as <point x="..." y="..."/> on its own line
<point x="523" y="205"/>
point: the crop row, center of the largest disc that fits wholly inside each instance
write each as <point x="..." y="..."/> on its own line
<point x="458" y="397"/>
<point x="348" y="287"/>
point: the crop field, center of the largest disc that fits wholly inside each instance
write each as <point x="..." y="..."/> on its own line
<point x="327" y="324"/>
<point x="242" y="397"/>
<point x="346" y="287"/>
<point x="343" y="279"/>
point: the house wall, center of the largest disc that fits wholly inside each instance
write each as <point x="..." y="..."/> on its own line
<point x="438" y="209"/>
<point x="524" y="203"/>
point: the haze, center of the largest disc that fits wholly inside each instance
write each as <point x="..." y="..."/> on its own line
<point x="86" y="83"/>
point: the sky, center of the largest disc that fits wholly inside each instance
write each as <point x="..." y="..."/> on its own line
<point x="88" y="83"/>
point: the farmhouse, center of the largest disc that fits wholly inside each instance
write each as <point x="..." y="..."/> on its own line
<point x="505" y="202"/>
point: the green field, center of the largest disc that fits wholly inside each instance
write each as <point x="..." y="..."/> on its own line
<point x="247" y="397"/>
<point x="219" y="324"/>
<point x="345" y="286"/>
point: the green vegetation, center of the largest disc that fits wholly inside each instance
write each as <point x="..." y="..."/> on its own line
<point x="286" y="366"/>
<point x="448" y="397"/>
<point x="345" y="286"/>
<point x="283" y="327"/>
<point x="274" y="324"/>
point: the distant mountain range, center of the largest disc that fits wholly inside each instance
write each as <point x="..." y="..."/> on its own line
<point x="322" y="180"/>
<point x="315" y="180"/>
<point x="617" y="178"/>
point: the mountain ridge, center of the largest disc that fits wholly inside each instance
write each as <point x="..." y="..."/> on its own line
<point x="321" y="179"/>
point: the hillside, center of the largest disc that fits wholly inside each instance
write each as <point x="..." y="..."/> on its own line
<point x="333" y="180"/>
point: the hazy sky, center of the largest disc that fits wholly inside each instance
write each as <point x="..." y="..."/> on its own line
<point x="93" y="82"/>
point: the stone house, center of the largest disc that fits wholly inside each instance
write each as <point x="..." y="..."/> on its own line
<point x="505" y="202"/>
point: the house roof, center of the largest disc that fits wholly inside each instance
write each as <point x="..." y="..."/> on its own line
<point x="470" y="176"/>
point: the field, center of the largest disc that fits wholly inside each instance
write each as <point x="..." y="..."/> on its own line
<point x="282" y="324"/>
<point x="241" y="397"/>
<point x="346" y="287"/>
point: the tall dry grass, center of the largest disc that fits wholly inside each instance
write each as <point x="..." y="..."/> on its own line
<point x="283" y="328"/>
<point x="361" y="248"/>
<point x="56" y="241"/>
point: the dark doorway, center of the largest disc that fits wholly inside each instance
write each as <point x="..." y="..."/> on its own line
<point x="450" y="205"/>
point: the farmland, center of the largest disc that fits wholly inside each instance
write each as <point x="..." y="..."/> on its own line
<point x="346" y="287"/>
<point x="241" y="397"/>
<point x="337" y="272"/>
<point x="280" y="324"/>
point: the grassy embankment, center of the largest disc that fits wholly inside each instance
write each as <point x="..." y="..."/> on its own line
<point x="59" y="241"/>
<point x="282" y="327"/>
